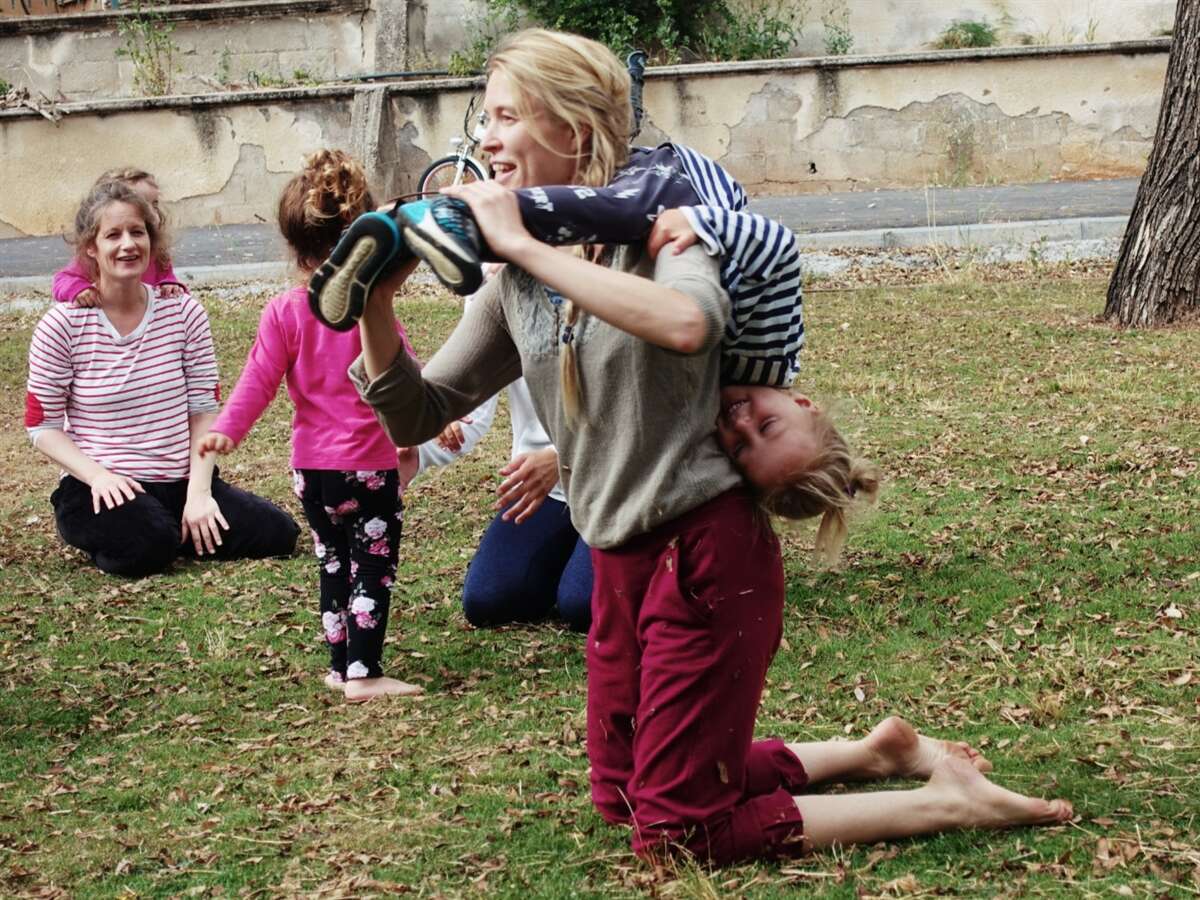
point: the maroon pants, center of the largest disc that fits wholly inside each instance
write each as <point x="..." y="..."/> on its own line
<point x="686" y="619"/>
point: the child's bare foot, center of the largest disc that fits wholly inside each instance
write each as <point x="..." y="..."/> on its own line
<point x="900" y="751"/>
<point x="335" y="681"/>
<point x="360" y="690"/>
<point x="974" y="802"/>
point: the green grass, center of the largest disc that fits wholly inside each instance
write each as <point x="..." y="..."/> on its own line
<point x="1030" y="582"/>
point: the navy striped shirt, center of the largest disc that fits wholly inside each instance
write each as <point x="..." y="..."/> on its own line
<point x="761" y="271"/>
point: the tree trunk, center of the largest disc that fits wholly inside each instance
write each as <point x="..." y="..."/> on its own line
<point x="1157" y="277"/>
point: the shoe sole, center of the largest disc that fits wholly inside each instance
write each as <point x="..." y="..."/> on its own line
<point x="458" y="273"/>
<point x="338" y="290"/>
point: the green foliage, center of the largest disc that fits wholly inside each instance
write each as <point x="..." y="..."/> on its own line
<point x="259" y="79"/>
<point x="483" y="31"/>
<point x="225" y="68"/>
<point x="767" y="29"/>
<point x="147" y="42"/>
<point x="669" y="29"/>
<point x="960" y="34"/>
<point x="839" y="39"/>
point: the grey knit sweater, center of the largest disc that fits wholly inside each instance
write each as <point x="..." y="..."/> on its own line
<point x="645" y="451"/>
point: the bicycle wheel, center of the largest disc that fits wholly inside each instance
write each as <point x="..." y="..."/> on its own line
<point x="443" y="173"/>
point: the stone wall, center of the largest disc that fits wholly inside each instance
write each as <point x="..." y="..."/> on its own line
<point x="1016" y="115"/>
<point x="967" y="117"/>
<point x="263" y="43"/>
<point x="74" y="57"/>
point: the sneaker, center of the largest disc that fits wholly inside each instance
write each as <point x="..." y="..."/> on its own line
<point x="443" y="233"/>
<point x="339" y="288"/>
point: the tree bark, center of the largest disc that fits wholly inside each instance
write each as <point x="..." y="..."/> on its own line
<point x="1157" y="277"/>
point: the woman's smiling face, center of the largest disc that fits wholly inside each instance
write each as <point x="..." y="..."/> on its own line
<point x="524" y="151"/>
<point x="121" y="248"/>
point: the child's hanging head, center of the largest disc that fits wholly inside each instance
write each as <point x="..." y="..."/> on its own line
<point x="319" y="203"/>
<point x="146" y="185"/>
<point x="789" y="449"/>
<point x="87" y="220"/>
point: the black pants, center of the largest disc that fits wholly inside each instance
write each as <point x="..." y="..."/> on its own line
<point x="143" y="535"/>
<point x="356" y="518"/>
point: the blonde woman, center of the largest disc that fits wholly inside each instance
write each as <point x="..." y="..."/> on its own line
<point x="622" y="357"/>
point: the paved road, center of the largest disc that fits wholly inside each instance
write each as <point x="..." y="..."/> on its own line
<point x="233" y="245"/>
<point x="951" y="206"/>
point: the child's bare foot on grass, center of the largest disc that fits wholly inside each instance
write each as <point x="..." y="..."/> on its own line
<point x="901" y="752"/>
<point x="335" y="681"/>
<point x="359" y="690"/>
<point x="975" y="802"/>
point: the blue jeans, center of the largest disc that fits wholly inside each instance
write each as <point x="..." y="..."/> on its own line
<point x="521" y="572"/>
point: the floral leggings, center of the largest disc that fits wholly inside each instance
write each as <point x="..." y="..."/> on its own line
<point x="356" y="518"/>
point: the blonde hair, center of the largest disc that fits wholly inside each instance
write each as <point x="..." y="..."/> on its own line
<point x="580" y="83"/>
<point x="87" y="220"/>
<point x="829" y="485"/>
<point x="319" y="202"/>
<point x="131" y="175"/>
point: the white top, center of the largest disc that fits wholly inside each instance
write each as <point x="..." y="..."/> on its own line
<point x="528" y="433"/>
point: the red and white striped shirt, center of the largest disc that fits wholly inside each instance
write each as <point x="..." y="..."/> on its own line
<point x="124" y="401"/>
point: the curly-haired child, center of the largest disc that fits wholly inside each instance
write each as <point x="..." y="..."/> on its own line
<point x="344" y="467"/>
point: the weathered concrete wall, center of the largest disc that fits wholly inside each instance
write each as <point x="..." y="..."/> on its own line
<point x="994" y="116"/>
<point x="967" y="118"/>
<point x="437" y="28"/>
<point x="75" y="57"/>
<point x="220" y="159"/>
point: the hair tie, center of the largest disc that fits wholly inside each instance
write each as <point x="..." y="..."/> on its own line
<point x="568" y="334"/>
<point x="851" y="490"/>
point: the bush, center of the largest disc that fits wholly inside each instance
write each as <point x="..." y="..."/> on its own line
<point x="669" y="30"/>
<point x="766" y="30"/>
<point x="962" y="34"/>
<point x="839" y="39"/>
<point x="147" y="42"/>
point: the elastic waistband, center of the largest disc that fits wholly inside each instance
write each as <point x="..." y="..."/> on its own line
<point x="734" y="504"/>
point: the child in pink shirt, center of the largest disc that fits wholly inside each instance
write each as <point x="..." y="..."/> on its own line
<point x="77" y="283"/>
<point x="344" y="467"/>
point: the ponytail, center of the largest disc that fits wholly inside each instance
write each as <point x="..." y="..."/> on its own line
<point x="831" y="485"/>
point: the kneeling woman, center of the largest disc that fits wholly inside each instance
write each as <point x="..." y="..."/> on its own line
<point x="622" y="357"/>
<point x="119" y="396"/>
